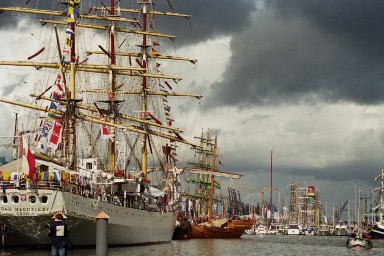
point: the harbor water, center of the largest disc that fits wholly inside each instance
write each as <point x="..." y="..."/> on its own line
<point x="247" y="245"/>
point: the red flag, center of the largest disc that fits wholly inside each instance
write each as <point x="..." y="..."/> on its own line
<point x="104" y="132"/>
<point x="54" y="135"/>
<point x="104" y="129"/>
<point x="155" y="52"/>
<point x="155" y="43"/>
<point x="29" y="162"/>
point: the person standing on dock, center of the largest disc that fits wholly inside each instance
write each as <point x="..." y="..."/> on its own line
<point x="59" y="234"/>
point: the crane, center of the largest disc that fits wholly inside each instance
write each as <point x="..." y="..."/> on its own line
<point x="262" y="189"/>
<point x="340" y="212"/>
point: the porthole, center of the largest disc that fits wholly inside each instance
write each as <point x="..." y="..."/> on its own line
<point x="32" y="199"/>
<point x="44" y="199"/>
<point x="4" y="199"/>
<point x="15" y="199"/>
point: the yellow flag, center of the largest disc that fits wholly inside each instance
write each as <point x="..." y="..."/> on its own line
<point x="68" y="42"/>
<point x="70" y="10"/>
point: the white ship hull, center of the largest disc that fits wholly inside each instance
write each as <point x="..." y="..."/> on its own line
<point x="126" y="226"/>
<point x="340" y="232"/>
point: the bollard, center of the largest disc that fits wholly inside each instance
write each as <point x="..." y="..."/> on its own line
<point x="3" y="240"/>
<point x="102" y="234"/>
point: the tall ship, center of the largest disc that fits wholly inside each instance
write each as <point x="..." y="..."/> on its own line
<point x="209" y="213"/>
<point x="98" y="135"/>
<point x="293" y="227"/>
<point x="377" y="229"/>
<point x="309" y="204"/>
<point x="304" y="210"/>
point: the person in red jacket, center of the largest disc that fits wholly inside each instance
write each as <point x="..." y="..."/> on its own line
<point x="59" y="234"/>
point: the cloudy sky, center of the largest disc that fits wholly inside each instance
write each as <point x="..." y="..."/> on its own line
<point x="303" y="78"/>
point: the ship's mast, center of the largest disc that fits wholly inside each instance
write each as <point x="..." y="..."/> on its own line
<point x="210" y="213"/>
<point x="73" y="108"/>
<point x="15" y="148"/>
<point x="144" y="50"/>
<point x="112" y="84"/>
<point x="72" y="119"/>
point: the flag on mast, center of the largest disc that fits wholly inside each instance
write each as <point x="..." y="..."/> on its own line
<point x="28" y="160"/>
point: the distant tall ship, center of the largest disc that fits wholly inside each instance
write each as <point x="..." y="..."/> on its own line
<point x="207" y="171"/>
<point x="377" y="229"/>
<point x="99" y="116"/>
<point x="304" y="210"/>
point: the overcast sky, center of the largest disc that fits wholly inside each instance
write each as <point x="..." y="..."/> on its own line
<point x="303" y="78"/>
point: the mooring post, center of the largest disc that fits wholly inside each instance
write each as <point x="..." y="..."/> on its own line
<point x="3" y="240"/>
<point x="102" y="234"/>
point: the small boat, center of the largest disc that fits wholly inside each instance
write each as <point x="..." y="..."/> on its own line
<point x="340" y="230"/>
<point x="292" y="229"/>
<point x="261" y="230"/>
<point x="250" y="231"/>
<point x="324" y="230"/>
<point x="308" y="231"/>
<point x="355" y="242"/>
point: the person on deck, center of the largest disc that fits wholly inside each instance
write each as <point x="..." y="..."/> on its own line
<point x="59" y="234"/>
<point x="23" y="180"/>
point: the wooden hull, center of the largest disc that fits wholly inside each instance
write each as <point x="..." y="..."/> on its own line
<point x="245" y="224"/>
<point x="216" y="232"/>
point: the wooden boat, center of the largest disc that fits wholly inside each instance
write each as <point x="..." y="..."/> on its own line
<point x="242" y="223"/>
<point x="221" y="228"/>
<point x="355" y="242"/>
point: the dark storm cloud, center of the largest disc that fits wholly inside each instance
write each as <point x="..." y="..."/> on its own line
<point x="353" y="171"/>
<point x="305" y="51"/>
<point x="9" y="20"/>
<point x="209" y="19"/>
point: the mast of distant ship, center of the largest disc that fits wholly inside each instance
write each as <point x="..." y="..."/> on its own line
<point x="210" y="214"/>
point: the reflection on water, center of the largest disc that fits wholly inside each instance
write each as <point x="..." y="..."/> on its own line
<point x="247" y="245"/>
